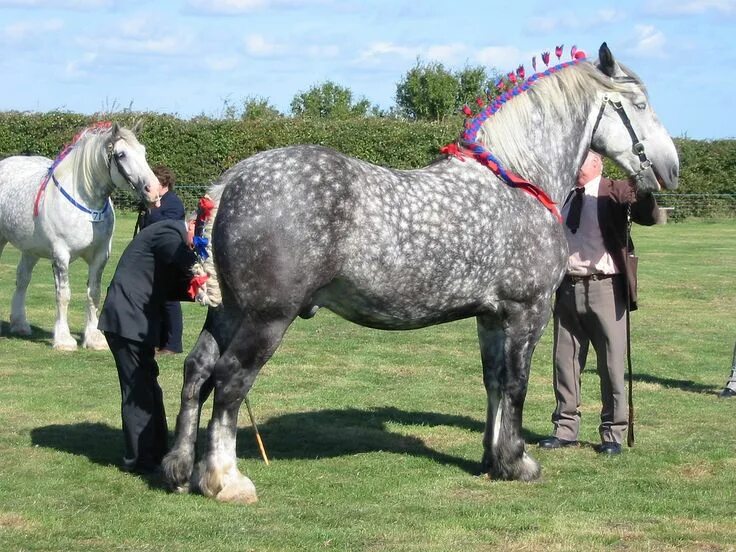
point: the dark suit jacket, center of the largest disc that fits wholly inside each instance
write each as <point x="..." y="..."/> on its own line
<point x="614" y="197"/>
<point x="154" y="268"/>
<point x="171" y="208"/>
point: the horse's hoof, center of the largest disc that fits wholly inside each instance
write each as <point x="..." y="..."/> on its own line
<point x="22" y="329"/>
<point x="177" y="470"/>
<point x="95" y="345"/>
<point x="94" y="339"/>
<point x="65" y="346"/>
<point x="239" y="491"/>
<point x="224" y="485"/>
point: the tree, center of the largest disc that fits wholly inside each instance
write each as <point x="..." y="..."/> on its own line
<point x="330" y="101"/>
<point x="258" y="108"/>
<point x="429" y="91"/>
<point x="251" y="108"/>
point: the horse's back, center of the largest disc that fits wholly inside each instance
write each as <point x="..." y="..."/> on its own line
<point x="381" y="247"/>
<point x="20" y="178"/>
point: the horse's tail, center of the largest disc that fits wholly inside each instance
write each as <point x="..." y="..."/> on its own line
<point x="205" y="286"/>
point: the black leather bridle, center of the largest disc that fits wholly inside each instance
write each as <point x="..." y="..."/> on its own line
<point x="113" y="159"/>
<point x="637" y="145"/>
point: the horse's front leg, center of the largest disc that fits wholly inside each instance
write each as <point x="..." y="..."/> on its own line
<point x="18" y="323"/>
<point x="92" y="337"/>
<point x="506" y="353"/>
<point x="217" y="475"/>
<point x="198" y="383"/>
<point x="63" y="340"/>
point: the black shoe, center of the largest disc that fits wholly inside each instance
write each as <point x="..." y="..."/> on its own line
<point x="555" y="443"/>
<point x="727" y="393"/>
<point x="608" y="448"/>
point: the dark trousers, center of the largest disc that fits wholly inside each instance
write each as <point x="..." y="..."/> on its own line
<point x="142" y="406"/>
<point x="171" y="327"/>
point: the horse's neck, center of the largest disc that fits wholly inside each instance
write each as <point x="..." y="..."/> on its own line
<point x="84" y="173"/>
<point x="553" y="151"/>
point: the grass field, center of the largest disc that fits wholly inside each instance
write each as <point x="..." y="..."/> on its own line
<point x="375" y="437"/>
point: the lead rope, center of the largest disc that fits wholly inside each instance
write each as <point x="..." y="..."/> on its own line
<point x="630" y="432"/>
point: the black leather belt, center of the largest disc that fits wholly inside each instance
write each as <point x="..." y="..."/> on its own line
<point x="594" y="277"/>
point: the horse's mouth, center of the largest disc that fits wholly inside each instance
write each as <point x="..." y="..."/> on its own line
<point x="660" y="181"/>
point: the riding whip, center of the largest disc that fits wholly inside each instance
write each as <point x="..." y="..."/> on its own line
<point x="630" y="432"/>
<point x="255" y="429"/>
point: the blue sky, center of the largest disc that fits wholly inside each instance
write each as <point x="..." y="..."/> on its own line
<point x="190" y="57"/>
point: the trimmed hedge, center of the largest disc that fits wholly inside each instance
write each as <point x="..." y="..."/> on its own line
<point x="198" y="150"/>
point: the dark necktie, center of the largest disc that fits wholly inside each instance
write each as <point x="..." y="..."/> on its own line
<point x="576" y="206"/>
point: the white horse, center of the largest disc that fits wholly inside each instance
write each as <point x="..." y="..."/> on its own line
<point x="61" y="210"/>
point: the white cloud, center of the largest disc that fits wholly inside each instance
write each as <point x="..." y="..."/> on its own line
<point x="502" y="57"/>
<point x="258" y="46"/>
<point x="574" y="22"/>
<point x="25" y="30"/>
<point x="141" y="33"/>
<point x="234" y="7"/>
<point x="649" y="42"/>
<point x="80" y="68"/>
<point x="57" y="4"/>
<point x="379" y="52"/>
<point x="221" y="63"/>
<point x="691" y="7"/>
<point x="328" y="51"/>
<point x="446" y="53"/>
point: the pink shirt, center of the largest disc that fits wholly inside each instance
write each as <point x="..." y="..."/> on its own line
<point x="588" y="255"/>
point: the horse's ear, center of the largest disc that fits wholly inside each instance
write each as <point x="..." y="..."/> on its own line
<point x="606" y="63"/>
<point x="115" y="130"/>
<point x="137" y="127"/>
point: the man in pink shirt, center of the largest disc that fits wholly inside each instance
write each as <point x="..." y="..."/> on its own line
<point x="591" y="302"/>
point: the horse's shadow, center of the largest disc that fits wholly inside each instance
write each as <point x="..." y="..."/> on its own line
<point x="299" y="435"/>
<point x="682" y="385"/>
<point x="38" y="334"/>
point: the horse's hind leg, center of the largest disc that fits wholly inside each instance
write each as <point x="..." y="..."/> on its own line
<point x="506" y="355"/>
<point x="18" y="323"/>
<point x="178" y="463"/>
<point x="63" y="340"/>
<point x="217" y="474"/>
<point x="92" y="338"/>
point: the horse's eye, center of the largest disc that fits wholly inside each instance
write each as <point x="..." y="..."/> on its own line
<point x="641" y="106"/>
<point x="120" y="154"/>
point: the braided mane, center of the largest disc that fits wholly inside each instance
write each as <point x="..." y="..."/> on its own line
<point x="557" y="91"/>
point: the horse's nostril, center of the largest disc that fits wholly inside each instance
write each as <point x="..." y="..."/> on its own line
<point x="147" y="187"/>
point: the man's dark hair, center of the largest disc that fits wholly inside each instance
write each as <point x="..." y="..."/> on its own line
<point x="165" y="176"/>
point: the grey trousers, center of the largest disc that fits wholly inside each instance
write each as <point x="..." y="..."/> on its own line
<point x="590" y="312"/>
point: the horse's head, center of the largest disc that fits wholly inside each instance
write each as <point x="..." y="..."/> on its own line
<point x="627" y="130"/>
<point x="128" y="166"/>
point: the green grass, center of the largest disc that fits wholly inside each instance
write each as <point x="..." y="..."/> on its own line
<point x="375" y="437"/>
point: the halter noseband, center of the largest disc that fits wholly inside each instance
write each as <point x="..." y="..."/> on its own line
<point x="637" y="145"/>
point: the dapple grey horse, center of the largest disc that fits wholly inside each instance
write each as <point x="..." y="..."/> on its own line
<point x="305" y="227"/>
<point x="61" y="210"/>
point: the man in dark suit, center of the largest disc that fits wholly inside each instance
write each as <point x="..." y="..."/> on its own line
<point x="154" y="268"/>
<point x="591" y="302"/>
<point x="170" y="208"/>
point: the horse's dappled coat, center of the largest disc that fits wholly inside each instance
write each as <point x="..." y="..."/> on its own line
<point x="306" y="226"/>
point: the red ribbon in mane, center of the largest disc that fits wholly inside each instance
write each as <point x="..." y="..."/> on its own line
<point x="196" y="283"/>
<point x="512" y="179"/>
